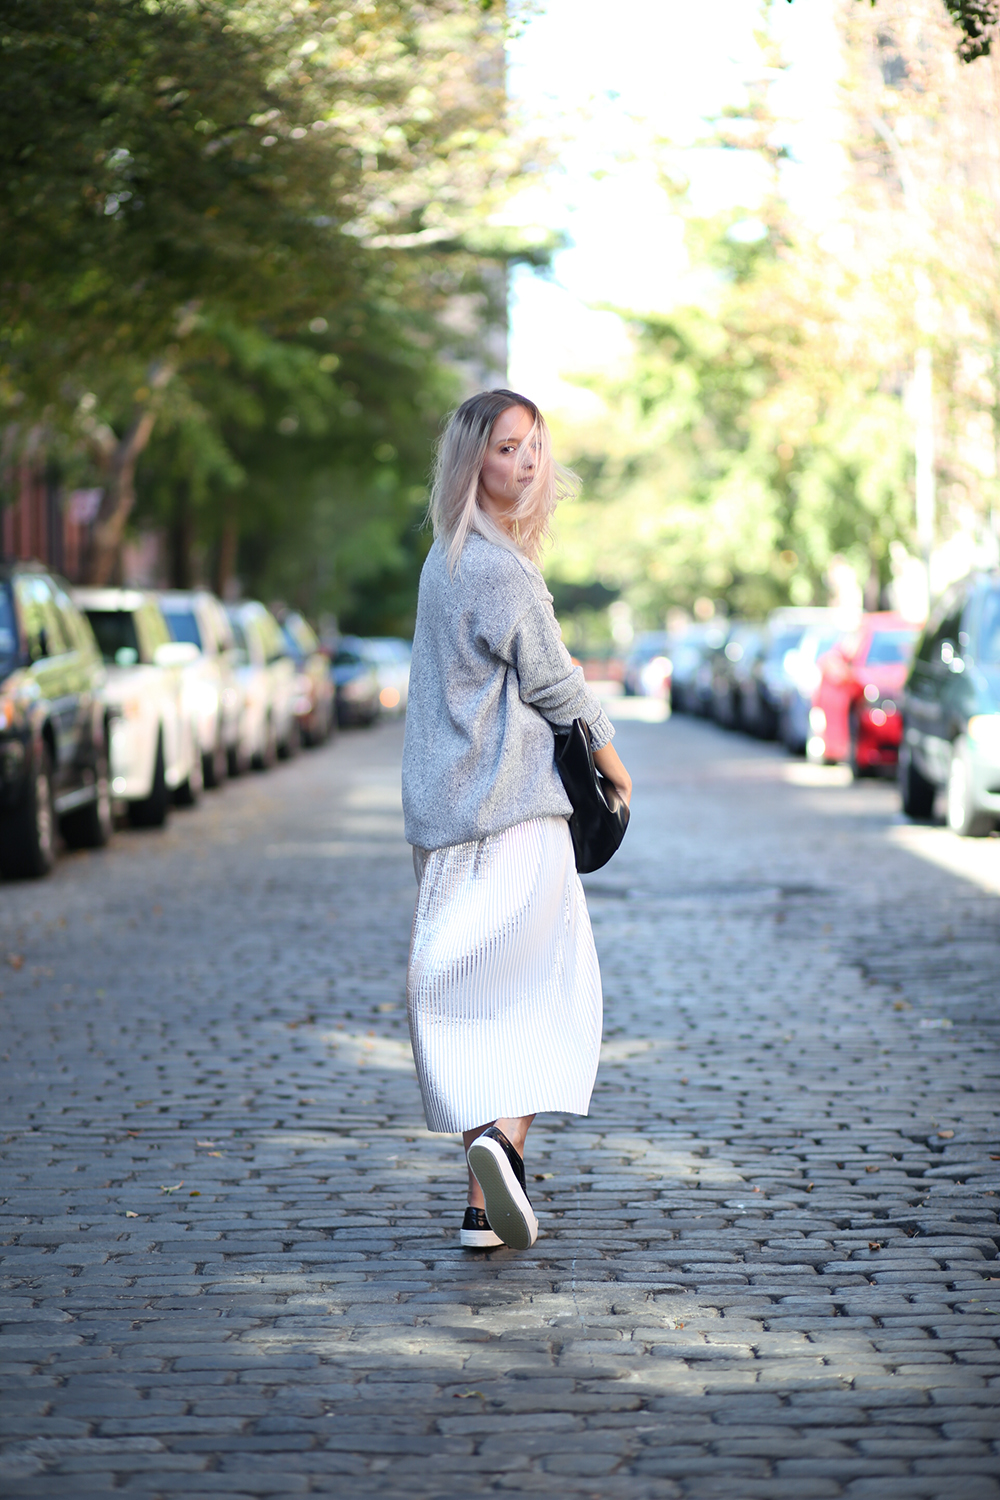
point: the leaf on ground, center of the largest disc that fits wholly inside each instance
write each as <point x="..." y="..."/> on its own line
<point x="130" y="1213"/>
<point x="16" y="960"/>
<point x="875" y="1245"/>
<point x="194" y="1193"/>
<point x="206" y="1143"/>
<point x="465" y="1395"/>
<point x="945" y="1135"/>
<point x="171" y="1189"/>
<point x="871" y="1169"/>
<point x="543" y="1176"/>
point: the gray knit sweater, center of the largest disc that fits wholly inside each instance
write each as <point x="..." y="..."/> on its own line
<point x="490" y="675"/>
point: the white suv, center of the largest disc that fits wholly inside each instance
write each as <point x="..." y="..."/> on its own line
<point x="269" y="684"/>
<point x="198" y="618"/>
<point x="154" y="750"/>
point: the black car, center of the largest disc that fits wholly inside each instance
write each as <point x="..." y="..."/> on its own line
<point x="355" y="675"/>
<point x="53" y="740"/>
<point x="732" y="666"/>
<point x="768" y="680"/>
<point x="951" y="710"/>
<point x="691" y="678"/>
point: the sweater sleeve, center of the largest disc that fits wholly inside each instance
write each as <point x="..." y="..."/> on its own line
<point x="547" y="678"/>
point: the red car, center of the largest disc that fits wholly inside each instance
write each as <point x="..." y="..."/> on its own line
<point x="855" y="713"/>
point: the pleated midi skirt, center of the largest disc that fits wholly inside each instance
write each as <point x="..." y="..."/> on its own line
<point x="503" y="986"/>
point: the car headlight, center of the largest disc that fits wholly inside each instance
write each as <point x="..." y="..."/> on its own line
<point x="984" y="730"/>
<point x="817" y="720"/>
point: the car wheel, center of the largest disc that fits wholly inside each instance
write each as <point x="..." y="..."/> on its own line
<point x="858" y="768"/>
<point x="963" y="816"/>
<point x="189" y="791"/>
<point x="292" y="743"/>
<point x="152" y="811"/>
<point x="237" y="759"/>
<point x="214" y="765"/>
<point x="268" y="753"/>
<point x="91" y="827"/>
<point x="916" y="792"/>
<point x="28" y="841"/>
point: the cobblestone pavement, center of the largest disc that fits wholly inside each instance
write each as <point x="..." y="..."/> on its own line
<point x="768" y="1259"/>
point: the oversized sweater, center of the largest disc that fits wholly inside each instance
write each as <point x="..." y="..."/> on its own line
<point x="489" y="677"/>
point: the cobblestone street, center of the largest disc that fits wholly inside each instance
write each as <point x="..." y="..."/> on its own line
<point x="767" y="1263"/>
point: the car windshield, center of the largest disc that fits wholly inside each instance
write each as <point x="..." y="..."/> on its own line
<point x="299" y="635"/>
<point x="115" y="631"/>
<point x="183" y="626"/>
<point x="890" y="648"/>
<point x="8" y="632"/>
<point x="989" y="630"/>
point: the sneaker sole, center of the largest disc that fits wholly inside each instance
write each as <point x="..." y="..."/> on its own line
<point x="479" y="1239"/>
<point x="508" y="1210"/>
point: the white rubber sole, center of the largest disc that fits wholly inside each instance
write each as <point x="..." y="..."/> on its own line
<point x="479" y="1239"/>
<point x="508" y="1210"/>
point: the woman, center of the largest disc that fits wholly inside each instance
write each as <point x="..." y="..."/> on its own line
<point x="503" y="987"/>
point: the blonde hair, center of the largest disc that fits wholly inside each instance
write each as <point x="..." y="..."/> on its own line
<point x="455" y="509"/>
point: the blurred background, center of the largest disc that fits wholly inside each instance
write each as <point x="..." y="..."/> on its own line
<point x="745" y="257"/>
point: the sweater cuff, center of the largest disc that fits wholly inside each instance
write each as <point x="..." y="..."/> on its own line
<point x="602" y="731"/>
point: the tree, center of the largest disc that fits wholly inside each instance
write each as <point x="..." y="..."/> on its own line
<point x="978" y="20"/>
<point x="759" y="433"/>
<point x="174" y="172"/>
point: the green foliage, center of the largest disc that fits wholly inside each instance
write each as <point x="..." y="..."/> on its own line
<point x="978" y="21"/>
<point x="747" y="447"/>
<point x="230" y="231"/>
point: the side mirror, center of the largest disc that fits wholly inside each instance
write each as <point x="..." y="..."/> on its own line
<point x="175" y="654"/>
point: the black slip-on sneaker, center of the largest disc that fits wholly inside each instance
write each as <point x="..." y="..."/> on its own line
<point x="499" y="1171"/>
<point x="476" y="1233"/>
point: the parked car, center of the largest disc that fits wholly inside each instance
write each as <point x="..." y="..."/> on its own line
<point x="357" y="682"/>
<point x="315" y="692"/>
<point x="197" y="617"/>
<point x="267" y="679"/>
<point x="855" y="715"/>
<point x="732" y="666"/>
<point x="155" y="752"/>
<point x="951" y="710"/>
<point x="53" y="733"/>
<point x="647" y="668"/>
<point x="691" y="677"/>
<point x="803" y="672"/>
<point x="767" y="680"/>
<point x="390" y="657"/>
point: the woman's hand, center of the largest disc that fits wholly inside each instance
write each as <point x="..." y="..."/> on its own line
<point x="608" y="762"/>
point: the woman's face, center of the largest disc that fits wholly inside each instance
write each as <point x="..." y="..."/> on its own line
<point x="502" y="479"/>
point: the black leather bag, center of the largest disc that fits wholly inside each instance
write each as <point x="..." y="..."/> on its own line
<point x="600" y="817"/>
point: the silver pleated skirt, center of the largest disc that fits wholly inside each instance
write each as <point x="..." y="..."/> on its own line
<point x="503" y="986"/>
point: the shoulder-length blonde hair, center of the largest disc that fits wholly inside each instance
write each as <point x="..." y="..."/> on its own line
<point x="455" y="507"/>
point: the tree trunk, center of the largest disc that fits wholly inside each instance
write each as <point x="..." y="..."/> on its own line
<point x="225" y="558"/>
<point x="104" y="560"/>
<point x="181" y="537"/>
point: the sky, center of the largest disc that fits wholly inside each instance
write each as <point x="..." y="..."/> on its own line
<point x="603" y="83"/>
